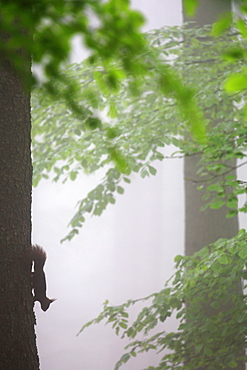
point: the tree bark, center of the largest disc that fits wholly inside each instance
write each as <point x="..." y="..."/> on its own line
<point x="17" y="337"/>
<point x="203" y="228"/>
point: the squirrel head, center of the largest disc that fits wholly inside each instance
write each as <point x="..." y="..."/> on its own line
<point x="45" y="303"/>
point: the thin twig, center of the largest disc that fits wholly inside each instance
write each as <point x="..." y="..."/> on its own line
<point x="215" y="176"/>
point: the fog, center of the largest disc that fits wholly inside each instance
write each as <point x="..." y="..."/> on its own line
<point x="126" y="253"/>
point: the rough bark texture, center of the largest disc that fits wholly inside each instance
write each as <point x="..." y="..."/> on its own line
<point x="203" y="228"/>
<point x="17" y="338"/>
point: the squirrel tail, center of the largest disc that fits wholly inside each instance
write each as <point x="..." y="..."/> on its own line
<point x="38" y="256"/>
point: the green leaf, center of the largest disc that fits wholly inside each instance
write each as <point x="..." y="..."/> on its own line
<point x="128" y="181"/>
<point x="178" y="258"/>
<point x="234" y="54"/>
<point x="232" y="202"/>
<point x="232" y="213"/>
<point x="111" y="200"/>
<point x="119" y="159"/>
<point x="199" y="348"/>
<point x="236" y="83"/>
<point x="222" y="25"/>
<point x="190" y="7"/>
<point x="233" y="364"/>
<point x="112" y="113"/>
<point x="73" y="175"/>
<point x="123" y="325"/>
<point x="217" y="204"/>
<point x="152" y="170"/>
<point x="125" y="358"/>
<point x="120" y="190"/>
<point x="243" y="253"/>
<point x="144" y="173"/>
<point x="241" y="25"/>
<point x="223" y="259"/>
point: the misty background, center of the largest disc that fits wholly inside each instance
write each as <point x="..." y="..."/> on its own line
<point x="126" y="253"/>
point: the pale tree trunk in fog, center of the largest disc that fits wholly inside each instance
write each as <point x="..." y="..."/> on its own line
<point x="203" y="228"/>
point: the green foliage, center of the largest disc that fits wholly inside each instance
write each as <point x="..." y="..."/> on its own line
<point x="44" y="30"/>
<point x="124" y="121"/>
<point x="204" y="283"/>
<point x="53" y="24"/>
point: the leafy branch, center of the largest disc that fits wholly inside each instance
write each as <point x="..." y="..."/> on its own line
<point x="198" y="280"/>
<point x="127" y="121"/>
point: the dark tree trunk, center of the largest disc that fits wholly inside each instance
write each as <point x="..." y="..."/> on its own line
<point x="203" y="228"/>
<point x="17" y="337"/>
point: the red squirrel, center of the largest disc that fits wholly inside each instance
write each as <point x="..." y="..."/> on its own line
<point x="38" y="277"/>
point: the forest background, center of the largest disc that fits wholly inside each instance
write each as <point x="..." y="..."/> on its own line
<point x="121" y="164"/>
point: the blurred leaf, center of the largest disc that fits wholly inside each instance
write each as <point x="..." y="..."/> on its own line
<point x="222" y="25"/>
<point x="190" y="7"/>
<point x="236" y="83"/>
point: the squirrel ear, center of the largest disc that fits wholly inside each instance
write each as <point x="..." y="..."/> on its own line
<point x="53" y="300"/>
